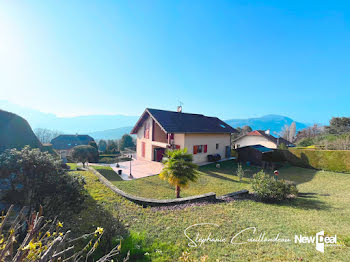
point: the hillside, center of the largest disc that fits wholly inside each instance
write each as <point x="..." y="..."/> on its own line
<point x="114" y="126"/>
<point x="273" y="122"/>
<point x="116" y="133"/>
<point x="70" y="125"/>
<point x="15" y="132"/>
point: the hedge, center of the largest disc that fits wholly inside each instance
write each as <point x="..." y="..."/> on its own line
<point x="331" y="160"/>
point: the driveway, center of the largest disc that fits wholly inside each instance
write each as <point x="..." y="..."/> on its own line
<point x="139" y="168"/>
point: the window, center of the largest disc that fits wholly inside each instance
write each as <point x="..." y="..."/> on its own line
<point x="200" y="149"/>
<point x="146" y="131"/>
<point x="217" y="146"/>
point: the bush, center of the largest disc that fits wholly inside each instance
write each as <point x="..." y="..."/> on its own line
<point x="282" y="146"/>
<point x="45" y="240"/>
<point x="108" y="160"/>
<point x="306" y="142"/>
<point x="85" y="154"/>
<point x="240" y="172"/>
<point x="266" y="188"/>
<point x="37" y="178"/>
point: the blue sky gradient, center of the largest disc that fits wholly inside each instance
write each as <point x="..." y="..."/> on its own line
<point x="232" y="59"/>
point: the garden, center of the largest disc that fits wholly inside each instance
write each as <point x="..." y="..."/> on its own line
<point x="190" y="232"/>
<point x="157" y="234"/>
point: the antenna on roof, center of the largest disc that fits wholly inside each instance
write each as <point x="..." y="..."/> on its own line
<point x="179" y="108"/>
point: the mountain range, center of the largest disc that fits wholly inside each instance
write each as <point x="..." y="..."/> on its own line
<point x="273" y="122"/>
<point x="114" y="126"/>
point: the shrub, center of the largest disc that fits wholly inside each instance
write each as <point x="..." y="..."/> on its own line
<point x="107" y="160"/>
<point x="37" y="178"/>
<point x="282" y="146"/>
<point x="85" y="154"/>
<point x="45" y="240"/>
<point x="240" y="172"/>
<point x="266" y="188"/>
<point x="306" y="142"/>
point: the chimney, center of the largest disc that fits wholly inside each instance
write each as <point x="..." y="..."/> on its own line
<point x="267" y="132"/>
<point x="179" y="109"/>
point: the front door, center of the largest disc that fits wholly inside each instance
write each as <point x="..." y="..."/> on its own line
<point x="158" y="154"/>
<point x="228" y="152"/>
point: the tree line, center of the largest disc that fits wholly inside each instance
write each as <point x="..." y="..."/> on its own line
<point x="113" y="146"/>
<point x="335" y="136"/>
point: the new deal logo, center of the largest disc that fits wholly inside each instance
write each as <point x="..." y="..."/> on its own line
<point x="320" y="240"/>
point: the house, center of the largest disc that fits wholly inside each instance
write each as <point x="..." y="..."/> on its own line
<point x="64" y="144"/>
<point x="158" y="130"/>
<point x="260" y="137"/>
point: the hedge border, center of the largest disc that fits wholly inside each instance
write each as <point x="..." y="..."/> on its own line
<point x="330" y="160"/>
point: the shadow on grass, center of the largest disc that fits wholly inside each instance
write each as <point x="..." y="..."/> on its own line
<point x="310" y="203"/>
<point x="298" y="175"/>
<point x="212" y="174"/>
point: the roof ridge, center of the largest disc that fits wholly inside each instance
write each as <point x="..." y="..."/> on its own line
<point x="175" y="112"/>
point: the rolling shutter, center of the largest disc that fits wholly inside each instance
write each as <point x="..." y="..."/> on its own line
<point x="194" y="150"/>
<point x="205" y="148"/>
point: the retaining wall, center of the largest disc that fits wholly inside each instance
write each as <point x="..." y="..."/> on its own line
<point x="154" y="202"/>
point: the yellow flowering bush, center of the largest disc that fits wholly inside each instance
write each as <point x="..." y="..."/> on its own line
<point x="45" y="240"/>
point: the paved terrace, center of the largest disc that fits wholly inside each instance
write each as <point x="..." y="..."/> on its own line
<point x="142" y="168"/>
<point x="139" y="168"/>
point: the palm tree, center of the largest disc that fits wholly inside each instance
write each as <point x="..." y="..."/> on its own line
<point x="178" y="169"/>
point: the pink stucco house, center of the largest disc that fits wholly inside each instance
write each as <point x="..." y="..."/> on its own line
<point x="158" y="130"/>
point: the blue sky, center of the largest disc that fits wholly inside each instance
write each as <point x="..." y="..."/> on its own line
<point x="232" y="59"/>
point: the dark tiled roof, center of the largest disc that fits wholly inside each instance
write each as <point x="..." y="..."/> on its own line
<point x="270" y="137"/>
<point x="64" y="142"/>
<point x="260" y="148"/>
<point x="175" y="122"/>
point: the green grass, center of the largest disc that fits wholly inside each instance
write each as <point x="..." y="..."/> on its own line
<point x="328" y="209"/>
<point x="72" y="166"/>
<point x="108" y="173"/>
<point x="221" y="180"/>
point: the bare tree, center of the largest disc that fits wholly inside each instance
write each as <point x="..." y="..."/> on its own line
<point x="285" y="132"/>
<point x="46" y="135"/>
<point x="292" y="132"/>
<point x="310" y="132"/>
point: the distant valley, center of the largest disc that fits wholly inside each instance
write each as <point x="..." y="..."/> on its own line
<point x="114" y="126"/>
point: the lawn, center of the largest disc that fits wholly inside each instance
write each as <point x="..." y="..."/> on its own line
<point x="221" y="180"/>
<point x="108" y="173"/>
<point x="326" y="208"/>
<point x="72" y="166"/>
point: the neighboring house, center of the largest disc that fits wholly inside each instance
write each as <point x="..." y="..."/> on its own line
<point x="260" y="137"/>
<point x="64" y="144"/>
<point x="158" y="130"/>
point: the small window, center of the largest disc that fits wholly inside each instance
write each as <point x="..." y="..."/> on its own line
<point x="199" y="149"/>
<point x="217" y="146"/>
